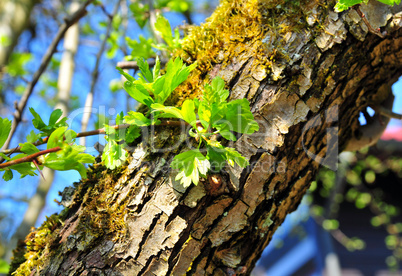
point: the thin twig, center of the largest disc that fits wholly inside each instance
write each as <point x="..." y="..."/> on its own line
<point x="96" y="132"/>
<point x="363" y="17"/>
<point x="133" y="64"/>
<point x="29" y="158"/>
<point x="33" y="157"/>
<point x="386" y="112"/>
<point x="69" y="21"/>
<point x="90" y="97"/>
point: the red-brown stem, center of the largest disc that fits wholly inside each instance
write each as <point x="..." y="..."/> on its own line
<point x="37" y="167"/>
<point x="28" y="158"/>
<point x="96" y="132"/>
<point x="363" y="17"/>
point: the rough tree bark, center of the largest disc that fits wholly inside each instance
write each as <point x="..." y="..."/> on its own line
<point x="307" y="72"/>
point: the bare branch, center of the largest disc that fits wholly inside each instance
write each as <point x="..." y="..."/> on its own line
<point x="363" y="17"/>
<point x="69" y="21"/>
<point x="387" y="112"/>
<point x="90" y="97"/>
<point x="133" y="64"/>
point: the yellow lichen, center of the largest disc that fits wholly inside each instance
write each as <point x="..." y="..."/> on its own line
<point x="248" y="26"/>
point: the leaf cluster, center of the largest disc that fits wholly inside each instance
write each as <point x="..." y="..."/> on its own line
<point x="144" y="47"/>
<point x="343" y="5"/>
<point x="62" y="152"/>
<point x="209" y="118"/>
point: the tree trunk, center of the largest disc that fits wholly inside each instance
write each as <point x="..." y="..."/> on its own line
<point x="307" y="72"/>
<point x="14" y="16"/>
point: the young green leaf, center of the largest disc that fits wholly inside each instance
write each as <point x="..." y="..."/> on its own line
<point x="53" y="122"/>
<point x="144" y="68"/>
<point x="140" y="11"/>
<point x="188" y="112"/>
<point x="141" y="48"/>
<point x="56" y="139"/>
<point x="132" y="133"/>
<point x="168" y="111"/>
<point x="191" y="165"/>
<point x="69" y="158"/>
<point x="114" y="155"/>
<point x="126" y="75"/>
<point x="176" y="73"/>
<point x="239" y="117"/>
<point x="216" y="92"/>
<point x="137" y="118"/>
<point x="342" y="5"/>
<point x="156" y="69"/>
<point x="28" y="148"/>
<point x="216" y="157"/>
<point x="8" y="175"/>
<point x="32" y="137"/>
<point x="162" y="25"/>
<point x="234" y="156"/>
<point x="23" y="169"/>
<point x="56" y="114"/>
<point x="5" y="128"/>
<point x="37" y="121"/>
<point x="138" y="93"/>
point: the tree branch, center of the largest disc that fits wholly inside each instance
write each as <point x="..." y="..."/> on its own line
<point x="69" y="21"/>
<point x="29" y="158"/>
<point x="133" y="64"/>
<point x="387" y="112"/>
<point x="95" y="132"/>
<point x="90" y="97"/>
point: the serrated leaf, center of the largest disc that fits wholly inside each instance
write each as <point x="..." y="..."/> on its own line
<point x="28" y="148"/>
<point x="162" y="25"/>
<point x="176" y="73"/>
<point x="56" y="138"/>
<point x="141" y="48"/>
<point x="342" y="5"/>
<point x="136" y="118"/>
<point x="23" y="169"/>
<point x="126" y="75"/>
<point x="37" y="121"/>
<point x="140" y="12"/>
<point x="188" y="112"/>
<point x="157" y="68"/>
<point x="234" y="156"/>
<point x="216" y="157"/>
<point x="32" y="137"/>
<point x="144" y="68"/>
<point x="170" y="111"/>
<point x="120" y="118"/>
<point x="56" y="114"/>
<point x="114" y="155"/>
<point x="69" y="158"/>
<point x="8" y="175"/>
<point x="132" y="133"/>
<point x="191" y="165"/>
<point x="239" y="117"/>
<point x="138" y="93"/>
<point x="216" y="92"/>
<point x="5" y="128"/>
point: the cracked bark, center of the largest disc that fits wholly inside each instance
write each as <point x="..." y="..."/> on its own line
<point x="140" y="221"/>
